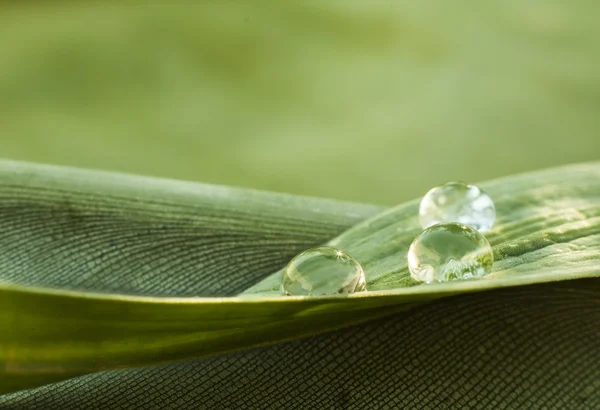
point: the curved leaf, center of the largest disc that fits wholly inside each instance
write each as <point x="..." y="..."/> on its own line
<point x="547" y="229"/>
<point x="520" y="347"/>
<point x="60" y="223"/>
<point x="83" y="230"/>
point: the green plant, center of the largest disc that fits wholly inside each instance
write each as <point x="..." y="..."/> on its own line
<point x="104" y="272"/>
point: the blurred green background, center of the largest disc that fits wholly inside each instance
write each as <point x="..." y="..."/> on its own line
<point x="373" y="101"/>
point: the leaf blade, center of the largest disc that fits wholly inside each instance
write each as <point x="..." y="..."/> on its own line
<point x="535" y="211"/>
<point x="65" y="333"/>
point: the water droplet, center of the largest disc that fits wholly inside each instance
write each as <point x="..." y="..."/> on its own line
<point x="449" y="251"/>
<point x="457" y="202"/>
<point x="323" y="271"/>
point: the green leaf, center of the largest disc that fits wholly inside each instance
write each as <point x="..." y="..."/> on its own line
<point x="72" y="239"/>
<point x="547" y="229"/>
<point x="69" y="231"/>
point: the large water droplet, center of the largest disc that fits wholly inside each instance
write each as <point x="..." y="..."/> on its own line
<point x="457" y="202"/>
<point x="322" y="271"/>
<point x="449" y="251"/>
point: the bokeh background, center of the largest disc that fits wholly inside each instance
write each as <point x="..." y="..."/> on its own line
<point x="372" y="101"/>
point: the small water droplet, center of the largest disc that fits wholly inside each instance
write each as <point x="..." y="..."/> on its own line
<point x="457" y="202"/>
<point x="323" y="271"/>
<point x="449" y="251"/>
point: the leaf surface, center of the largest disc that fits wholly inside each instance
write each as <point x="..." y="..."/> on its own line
<point x="71" y="238"/>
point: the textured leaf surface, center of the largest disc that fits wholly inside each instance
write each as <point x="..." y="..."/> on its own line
<point x="522" y="347"/>
<point x="70" y="230"/>
<point x="150" y="240"/>
<point x="547" y="228"/>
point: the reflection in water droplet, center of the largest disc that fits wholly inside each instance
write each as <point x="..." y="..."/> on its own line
<point x="323" y="271"/>
<point x="457" y="202"/>
<point x="449" y="251"/>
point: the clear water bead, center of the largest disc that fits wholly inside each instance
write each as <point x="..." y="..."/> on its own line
<point x="322" y="271"/>
<point x="449" y="251"/>
<point x="457" y="202"/>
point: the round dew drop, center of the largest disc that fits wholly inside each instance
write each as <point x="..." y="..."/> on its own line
<point x="322" y="271"/>
<point x="457" y="202"/>
<point x="449" y="251"/>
